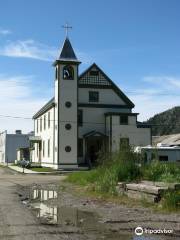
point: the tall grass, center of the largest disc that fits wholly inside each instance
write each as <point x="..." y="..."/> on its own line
<point x="120" y="166"/>
<point x="126" y="166"/>
<point x="158" y="171"/>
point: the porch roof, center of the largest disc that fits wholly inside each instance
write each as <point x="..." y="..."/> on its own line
<point x="94" y="134"/>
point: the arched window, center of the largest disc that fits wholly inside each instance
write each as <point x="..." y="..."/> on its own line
<point x="68" y="72"/>
<point x="56" y="74"/>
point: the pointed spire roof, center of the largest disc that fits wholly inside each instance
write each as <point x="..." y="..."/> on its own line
<point x="67" y="52"/>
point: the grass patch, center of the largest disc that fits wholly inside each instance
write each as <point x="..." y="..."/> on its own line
<point x="83" y="178"/>
<point x="42" y="169"/>
<point x="128" y="166"/>
<point x="2" y="166"/>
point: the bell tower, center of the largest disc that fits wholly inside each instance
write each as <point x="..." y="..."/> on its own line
<point x="66" y="103"/>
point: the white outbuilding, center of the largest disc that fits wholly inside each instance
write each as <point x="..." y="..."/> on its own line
<point x="9" y="143"/>
<point x="162" y="153"/>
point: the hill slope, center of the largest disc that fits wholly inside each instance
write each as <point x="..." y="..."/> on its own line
<point x="165" y="123"/>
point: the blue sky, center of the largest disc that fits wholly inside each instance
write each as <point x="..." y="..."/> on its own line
<point x="136" y="42"/>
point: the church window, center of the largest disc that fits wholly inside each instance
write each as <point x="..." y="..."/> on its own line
<point x="68" y="126"/>
<point x="49" y="119"/>
<point x="68" y="73"/>
<point x="93" y="96"/>
<point x="40" y="124"/>
<point x="48" y="147"/>
<point x="80" y="147"/>
<point x="124" y="143"/>
<point x="44" y="122"/>
<point x="43" y="148"/>
<point x="37" y="126"/>
<point x="37" y="149"/>
<point x="124" y="120"/>
<point x="80" y="117"/>
<point x="56" y="75"/>
<point x="94" y="73"/>
<point x="68" y="104"/>
<point x="163" y="158"/>
<point x="67" y="148"/>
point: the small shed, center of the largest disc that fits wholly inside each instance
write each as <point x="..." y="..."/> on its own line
<point x="162" y="153"/>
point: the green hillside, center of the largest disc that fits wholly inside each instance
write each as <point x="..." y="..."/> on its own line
<point x="165" y="123"/>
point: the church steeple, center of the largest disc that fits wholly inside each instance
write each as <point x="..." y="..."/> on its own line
<point x="67" y="52"/>
<point x="66" y="105"/>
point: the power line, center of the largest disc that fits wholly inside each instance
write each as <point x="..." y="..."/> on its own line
<point x="84" y="122"/>
<point x="153" y="94"/>
<point x="9" y="116"/>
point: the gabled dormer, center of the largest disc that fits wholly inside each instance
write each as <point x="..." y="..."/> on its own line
<point x="94" y="78"/>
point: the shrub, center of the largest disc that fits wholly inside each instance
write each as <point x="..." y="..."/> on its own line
<point x="158" y="171"/>
<point x="120" y="166"/>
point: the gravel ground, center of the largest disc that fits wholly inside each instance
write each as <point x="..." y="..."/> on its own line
<point x="90" y="218"/>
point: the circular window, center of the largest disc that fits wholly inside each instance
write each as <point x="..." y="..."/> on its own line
<point x="68" y="126"/>
<point x="68" y="104"/>
<point x="67" y="148"/>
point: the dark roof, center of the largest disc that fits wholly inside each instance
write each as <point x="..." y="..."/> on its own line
<point x="67" y="52"/>
<point x="45" y="108"/>
<point x="113" y="85"/>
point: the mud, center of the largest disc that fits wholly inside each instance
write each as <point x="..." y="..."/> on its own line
<point x="58" y="206"/>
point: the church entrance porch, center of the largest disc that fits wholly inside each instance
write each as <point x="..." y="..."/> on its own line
<point x="38" y="141"/>
<point x="95" y="142"/>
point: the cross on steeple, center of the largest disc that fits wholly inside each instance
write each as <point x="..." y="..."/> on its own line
<point x="66" y="27"/>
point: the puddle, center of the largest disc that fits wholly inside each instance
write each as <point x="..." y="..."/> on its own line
<point x="49" y="212"/>
<point x="45" y="204"/>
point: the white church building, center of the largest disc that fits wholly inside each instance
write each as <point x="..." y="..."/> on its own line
<point x="88" y="113"/>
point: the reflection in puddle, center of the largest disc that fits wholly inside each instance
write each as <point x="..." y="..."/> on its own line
<point x="46" y="213"/>
<point x="43" y="195"/>
<point x="54" y="214"/>
<point x="46" y="207"/>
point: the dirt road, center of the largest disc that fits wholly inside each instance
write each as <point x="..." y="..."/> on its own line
<point x="16" y="221"/>
<point x="74" y="217"/>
